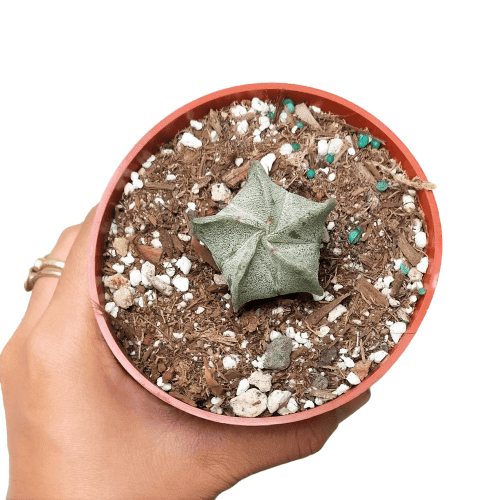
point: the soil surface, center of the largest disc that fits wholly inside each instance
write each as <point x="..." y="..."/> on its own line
<point x="172" y="310"/>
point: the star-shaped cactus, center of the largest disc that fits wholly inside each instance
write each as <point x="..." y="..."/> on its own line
<point x="266" y="241"/>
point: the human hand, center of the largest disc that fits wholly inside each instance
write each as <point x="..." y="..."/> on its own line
<point x="79" y="427"/>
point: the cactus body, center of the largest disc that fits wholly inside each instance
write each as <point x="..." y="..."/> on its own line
<point x="266" y="241"/>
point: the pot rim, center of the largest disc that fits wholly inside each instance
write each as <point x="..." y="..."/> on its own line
<point x="325" y="100"/>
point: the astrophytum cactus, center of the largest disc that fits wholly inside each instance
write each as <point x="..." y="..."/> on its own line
<point x="266" y="241"/>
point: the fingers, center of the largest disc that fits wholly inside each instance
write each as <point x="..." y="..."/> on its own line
<point x="44" y="288"/>
<point x="71" y="295"/>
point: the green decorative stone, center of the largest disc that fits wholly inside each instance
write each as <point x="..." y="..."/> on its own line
<point x="375" y="144"/>
<point x="330" y="158"/>
<point x="421" y="291"/>
<point x="382" y="186"/>
<point x="266" y="241"/>
<point x="287" y="101"/>
<point x="270" y="115"/>
<point x="363" y="140"/>
<point x="310" y="173"/>
<point x="290" y="106"/>
<point x="299" y="125"/>
<point x="404" y="268"/>
<point x="355" y="236"/>
<point x="295" y="146"/>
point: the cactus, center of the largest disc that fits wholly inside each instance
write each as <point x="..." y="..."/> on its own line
<point x="266" y="241"/>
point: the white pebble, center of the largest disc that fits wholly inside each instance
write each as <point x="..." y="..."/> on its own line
<point x="196" y="125"/>
<point x="276" y="399"/>
<point x="238" y="161"/>
<point x="200" y="310"/>
<point x="336" y="313"/>
<point x="308" y="404"/>
<point x="156" y="243"/>
<point x="147" y="271"/>
<point x="129" y="188"/>
<point x="184" y="237"/>
<point x="414" y="274"/>
<point x="323" y="147"/>
<point x="220" y="192"/>
<point x="351" y="151"/>
<point x="353" y="379"/>
<point x="214" y="137"/>
<point x="135" y="277"/>
<point x="316" y="109"/>
<point x="229" y="333"/>
<point x="190" y="140"/>
<point x="182" y="284"/>
<point x="324" y="330"/>
<point x="111" y="308"/>
<point x="330" y="226"/>
<point x="332" y="176"/>
<point x="334" y="146"/>
<point x="119" y="268"/>
<point x="243" y="386"/>
<point x="421" y="239"/>
<point x="286" y="149"/>
<point x="239" y="110"/>
<point x="184" y="264"/>
<point x="397" y="330"/>
<point x="274" y="335"/>
<point x="259" y="105"/>
<point x="187" y="296"/>
<point x="178" y="335"/>
<point x="264" y="122"/>
<point x="341" y="389"/>
<point x="377" y="356"/>
<point x="171" y="177"/>
<point x="191" y="206"/>
<point x="423" y="265"/>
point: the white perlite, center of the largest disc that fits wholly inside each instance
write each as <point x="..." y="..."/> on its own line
<point x="243" y="386"/>
<point x="291" y="407"/>
<point x="377" y="356"/>
<point x="135" y="277"/>
<point x="274" y="335"/>
<point x="423" y="265"/>
<point x="184" y="264"/>
<point x="259" y="106"/>
<point x="238" y="162"/>
<point x="267" y="161"/>
<point x="341" y="389"/>
<point x="336" y="313"/>
<point x="196" y="125"/>
<point x="397" y="330"/>
<point x="420" y="239"/>
<point x="353" y="379"/>
<point x="242" y="127"/>
<point x="277" y="399"/>
<point x="261" y="380"/>
<point x="231" y="361"/>
<point x="184" y="237"/>
<point x="220" y="192"/>
<point x="182" y="284"/>
<point x="190" y="140"/>
<point x="111" y="308"/>
<point x="286" y="149"/>
<point x="249" y="404"/>
<point x="239" y="110"/>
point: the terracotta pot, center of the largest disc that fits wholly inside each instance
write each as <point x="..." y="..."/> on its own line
<point x="166" y="130"/>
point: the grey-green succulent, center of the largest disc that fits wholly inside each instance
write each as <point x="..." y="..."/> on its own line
<point x="266" y="241"/>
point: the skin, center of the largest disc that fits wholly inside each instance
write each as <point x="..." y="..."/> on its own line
<point x="79" y="427"/>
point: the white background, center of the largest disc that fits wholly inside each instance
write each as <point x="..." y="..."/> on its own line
<point x="82" y="82"/>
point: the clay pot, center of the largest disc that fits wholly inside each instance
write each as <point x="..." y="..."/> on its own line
<point x="166" y="130"/>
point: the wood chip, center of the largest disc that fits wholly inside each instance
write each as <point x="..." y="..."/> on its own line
<point x="302" y="112"/>
<point x="321" y="313"/>
<point x="204" y="253"/>
<point x="170" y="186"/>
<point x="409" y="252"/>
<point x="218" y="288"/>
<point x="213" y="385"/>
<point x="374" y="171"/>
<point x="361" y="369"/>
<point x="214" y="123"/>
<point x="167" y="243"/>
<point x="370" y="293"/>
<point x="152" y="219"/>
<point x="365" y="174"/>
<point x="149" y="253"/>
<point x="396" y="285"/>
<point x="182" y="398"/>
<point x="178" y="244"/>
<point x="237" y="175"/>
<point x="323" y="393"/>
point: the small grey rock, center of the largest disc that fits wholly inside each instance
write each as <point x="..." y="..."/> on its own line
<point x="327" y="356"/>
<point x="278" y="352"/>
<point x="384" y="347"/>
<point x="319" y="381"/>
<point x="161" y="286"/>
<point x="123" y="298"/>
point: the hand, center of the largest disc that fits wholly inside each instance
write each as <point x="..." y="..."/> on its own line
<point x="79" y="427"/>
